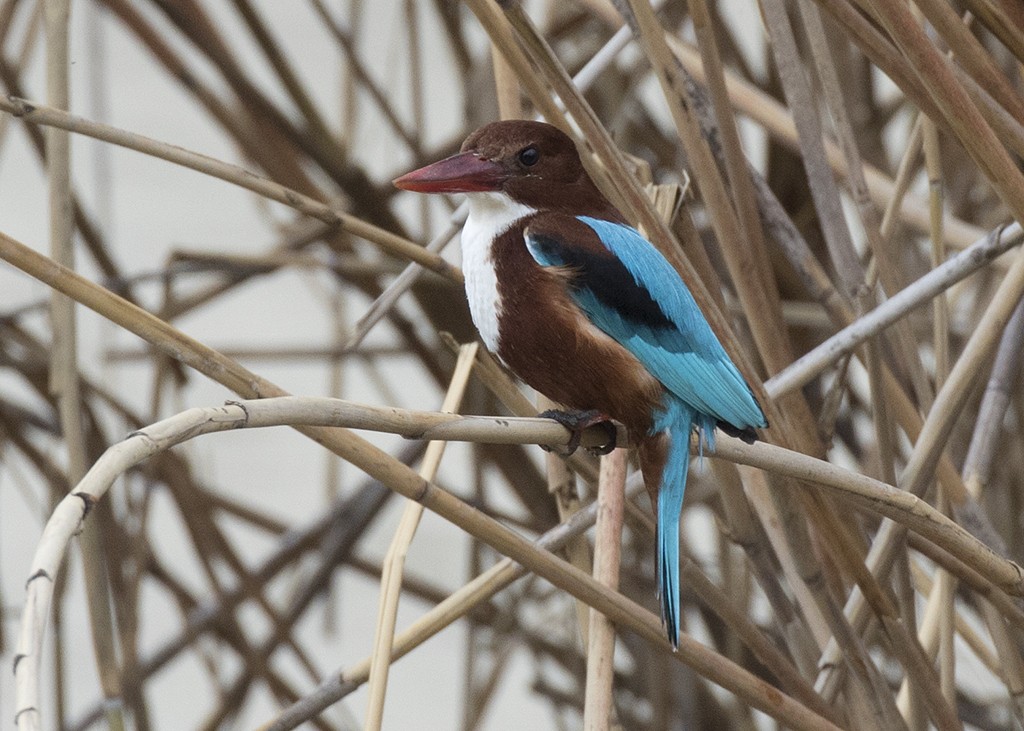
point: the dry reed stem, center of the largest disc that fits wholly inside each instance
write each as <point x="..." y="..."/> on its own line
<point x="64" y="378"/>
<point x="452" y="608"/>
<point x="399" y="478"/>
<point x="395" y="245"/>
<point x="561" y="482"/>
<point x="778" y="122"/>
<point x="981" y="453"/>
<point x="286" y="137"/>
<point x="611" y="496"/>
<point x="987" y="655"/>
<point x="933" y="283"/>
<point x="306" y="413"/>
<point x="942" y="597"/>
<point x="929" y="445"/>
<point x="394" y="561"/>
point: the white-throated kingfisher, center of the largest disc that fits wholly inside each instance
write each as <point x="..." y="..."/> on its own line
<point x="585" y="310"/>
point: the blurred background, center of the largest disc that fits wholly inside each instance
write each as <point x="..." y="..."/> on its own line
<point x="243" y="569"/>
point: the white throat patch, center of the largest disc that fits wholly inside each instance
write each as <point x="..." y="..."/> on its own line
<point x="490" y="214"/>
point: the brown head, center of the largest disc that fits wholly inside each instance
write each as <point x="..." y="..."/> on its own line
<point x="533" y="163"/>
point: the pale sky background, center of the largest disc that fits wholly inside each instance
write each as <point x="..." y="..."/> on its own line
<point x="152" y="208"/>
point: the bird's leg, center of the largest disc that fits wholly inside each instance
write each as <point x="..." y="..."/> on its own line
<point x="577" y="421"/>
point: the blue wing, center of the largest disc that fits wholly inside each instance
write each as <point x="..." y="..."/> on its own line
<point x="629" y="291"/>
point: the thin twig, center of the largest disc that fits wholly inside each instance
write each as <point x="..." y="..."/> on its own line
<point x="396" y="245"/>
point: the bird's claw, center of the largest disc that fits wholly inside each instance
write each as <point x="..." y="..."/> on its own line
<point x="576" y="422"/>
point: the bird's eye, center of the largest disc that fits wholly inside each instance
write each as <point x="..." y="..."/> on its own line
<point x="529" y="156"/>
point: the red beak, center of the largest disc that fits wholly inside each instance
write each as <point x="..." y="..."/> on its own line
<point x="462" y="173"/>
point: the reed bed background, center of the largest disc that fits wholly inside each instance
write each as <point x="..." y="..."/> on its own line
<point x="838" y="182"/>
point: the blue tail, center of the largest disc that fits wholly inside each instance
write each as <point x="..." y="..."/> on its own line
<point x="678" y="420"/>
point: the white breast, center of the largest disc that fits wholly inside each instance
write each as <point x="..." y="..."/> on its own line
<point x="490" y="214"/>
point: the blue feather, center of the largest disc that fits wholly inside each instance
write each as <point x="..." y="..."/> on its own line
<point x="677" y="420"/>
<point x="687" y="358"/>
<point x="677" y="346"/>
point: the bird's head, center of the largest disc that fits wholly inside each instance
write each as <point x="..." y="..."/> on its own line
<point x="533" y="163"/>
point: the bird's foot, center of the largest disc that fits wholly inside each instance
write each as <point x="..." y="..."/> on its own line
<point x="576" y="422"/>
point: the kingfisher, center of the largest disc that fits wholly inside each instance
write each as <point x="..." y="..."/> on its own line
<point x="582" y="308"/>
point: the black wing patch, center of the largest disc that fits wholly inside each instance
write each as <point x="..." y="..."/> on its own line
<point x="606" y="277"/>
<point x="745" y="433"/>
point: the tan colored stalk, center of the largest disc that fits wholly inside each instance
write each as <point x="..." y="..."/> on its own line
<point x="918" y="473"/>
<point x="778" y="122"/>
<point x="944" y="592"/>
<point x="824" y="191"/>
<point x="395" y="245"/>
<point x="394" y="561"/>
<point x="611" y="495"/>
<point x="969" y="53"/>
<point x="72" y="510"/>
<point x="397" y="477"/>
<point x="562" y="486"/>
<point x="925" y="583"/>
<point x="956" y="107"/>
<point x="64" y="379"/>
